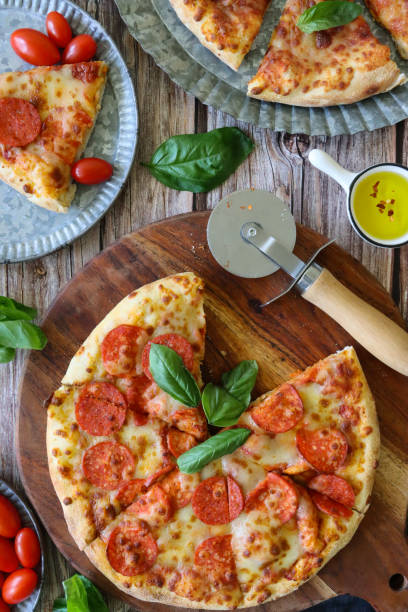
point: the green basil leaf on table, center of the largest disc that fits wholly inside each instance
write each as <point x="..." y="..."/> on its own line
<point x="171" y="375"/>
<point x="328" y="14"/>
<point x="11" y="310"/>
<point x="221" y="444"/>
<point x="7" y="354"/>
<point x="60" y="605"/>
<point x="240" y="381"/>
<point x="21" y="334"/>
<point x="96" y="602"/>
<point x="200" y="162"/>
<point x="75" y="594"/>
<point x="221" y="408"/>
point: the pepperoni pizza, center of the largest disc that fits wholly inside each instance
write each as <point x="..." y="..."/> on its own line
<point x="250" y="526"/>
<point x="46" y="117"/>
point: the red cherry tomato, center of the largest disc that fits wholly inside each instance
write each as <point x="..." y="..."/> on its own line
<point x="4" y="607"/>
<point x="10" y="521"/>
<point x="91" y="170"/>
<point x="19" y="585"/>
<point x="27" y="547"/>
<point x="80" y="49"/>
<point x="34" y="47"/>
<point x="58" y="29"/>
<point x="8" y="557"/>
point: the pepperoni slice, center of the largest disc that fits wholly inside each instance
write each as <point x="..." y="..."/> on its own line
<point x="134" y="389"/>
<point x="212" y="503"/>
<point x="179" y="442"/>
<point x="108" y="464"/>
<point x="180" y="487"/>
<point x="20" y="122"/>
<point x="325" y="449"/>
<point x="121" y="350"/>
<point x="329" y="506"/>
<point x="190" y="420"/>
<point x="215" y="557"/>
<point x="131" y="548"/>
<point x="128" y="491"/>
<point x="235" y="498"/>
<point x="174" y="341"/>
<point x="275" y="495"/>
<point x="279" y="411"/>
<point x="334" y="487"/>
<point x="100" y="409"/>
<point x="154" y="507"/>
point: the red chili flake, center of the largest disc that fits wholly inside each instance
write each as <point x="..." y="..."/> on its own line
<point x="390" y="213"/>
<point x="375" y="186"/>
<point x="392" y="201"/>
<point x="381" y="205"/>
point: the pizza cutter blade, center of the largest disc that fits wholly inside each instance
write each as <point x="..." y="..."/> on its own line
<point x="252" y="234"/>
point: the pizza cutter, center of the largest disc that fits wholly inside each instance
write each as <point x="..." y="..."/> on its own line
<point x="252" y="234"/>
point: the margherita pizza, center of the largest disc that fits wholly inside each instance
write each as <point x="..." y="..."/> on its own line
<point x="250" y="526"/>
<point x="46" y="117"/>
<point x="393" y="15"/>
<point x="226" y="27"/>
<point x="341" y="65"/>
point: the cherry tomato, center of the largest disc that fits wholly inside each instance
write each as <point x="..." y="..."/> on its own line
<point x="4" y="607"/>
<point x="80" y="49"/>
<point x="10" y="521"/>
<point x="27" y="547"/>
<point x="58" y="29"/>
<point x="19" y="585"/>
<point x="34" y="47"/>
<point x="91" y="170"/>
<point x="8" y="557"/>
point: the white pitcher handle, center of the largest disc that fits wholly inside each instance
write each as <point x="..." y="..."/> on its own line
<point x="329" y="166"/>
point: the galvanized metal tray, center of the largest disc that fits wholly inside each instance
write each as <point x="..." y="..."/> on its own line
<point x="26" y="230"/>
<point x="177" y="51"/>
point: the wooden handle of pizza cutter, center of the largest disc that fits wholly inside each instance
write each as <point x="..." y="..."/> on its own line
<point x="371" y="328"/>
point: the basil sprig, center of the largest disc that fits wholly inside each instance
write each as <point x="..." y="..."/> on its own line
<point x="81" y="595"/>
<point x="16" y="329"/>
<point x="200" y="162"/>
<point x="217" y="446"/>
<point x="221" y="408"/>
<point x="240" y="380"/>
<point x="171" y="375"/>
<point x="328" y="14"/>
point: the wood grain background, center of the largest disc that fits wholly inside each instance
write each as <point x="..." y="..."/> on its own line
<point x="279" y="164"/>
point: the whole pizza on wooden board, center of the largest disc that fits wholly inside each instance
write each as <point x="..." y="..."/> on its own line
<point x="340" y="65"/>
<point x="251" y="526"/>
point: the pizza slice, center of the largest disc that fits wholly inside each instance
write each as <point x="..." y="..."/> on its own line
<point x="337" y="66"/>
<point x="104" y="447"/>
<point x="226" y="27"/>
<point x="393" y="15"/>
<point x="46" y="117"/>
<point x="328" y="406"/>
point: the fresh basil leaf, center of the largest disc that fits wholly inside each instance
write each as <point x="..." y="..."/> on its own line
<point x="200" y="162"/>
<point x="21" y="334"/>
<point x="240" y="380"/>
<point x="328" y="14"/>
<point x="60" y="605"/>
<point x="75" y="594"/>
<point x="171" y="375"/>
<point x="96" y="602"/>
<point x="6" y="354"/>
<point x="12" y="310"/>
<point x="217" y="446"/>
<point x="221" y="408"/>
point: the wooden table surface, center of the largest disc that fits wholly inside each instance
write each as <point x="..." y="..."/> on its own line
<point x="279" y="164"/>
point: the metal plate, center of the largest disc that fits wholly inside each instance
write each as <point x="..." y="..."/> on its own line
<point x="26" y="230"/>
<point x="224" y="231"/>
<point x="28" y="520"/>
<point x="177" y="51"/>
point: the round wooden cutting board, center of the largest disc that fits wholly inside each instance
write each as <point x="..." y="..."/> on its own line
<point x="289" y="334"/>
